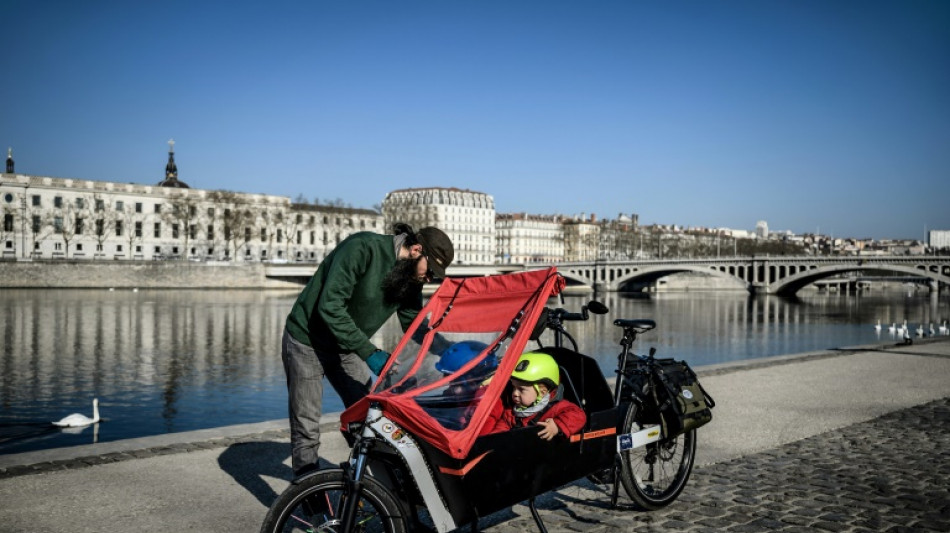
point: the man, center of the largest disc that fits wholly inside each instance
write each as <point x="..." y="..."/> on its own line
<point x="363" y="281"/>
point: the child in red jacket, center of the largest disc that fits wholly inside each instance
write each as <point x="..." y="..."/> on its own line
<point x="537" y="399"/>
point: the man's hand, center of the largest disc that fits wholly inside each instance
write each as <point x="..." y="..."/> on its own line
<point x="548" y="429"/>
<point x="376" y="361"/>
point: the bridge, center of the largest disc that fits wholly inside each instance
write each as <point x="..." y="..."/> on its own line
<point x="758" y="274"/>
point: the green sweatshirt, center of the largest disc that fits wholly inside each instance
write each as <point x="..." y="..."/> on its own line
<point x="342" y="304"/>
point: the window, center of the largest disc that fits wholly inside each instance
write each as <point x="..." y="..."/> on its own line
<point x="210" y="231"/>
<point x="58" y="246"/>
<point x="58" y="202"/>
<point x="247" y="234"/>
<point x="138" y="207"/>
<point x="280" y="235"/>
<point x="299" y="219"/>
<point x="118" y="247"/>
<point x="118" y="228"/>
<point x="192" y="232"/>
<point x="100" y="204"/>
<point x="211" y="212"/>
<point x="263" y="234"/>
<point x="7" y="222"/>
<point x="192" y="210"/>
<point x="9" y="245"/>
<point x="80" y="203"/>
<point x="138" y="229"/>
<point x="100" y="227"/>
<point x="36" y="200"/>
<point x="299" y="237"/>
<point x="78" y="225"/>
<point x="119" y="205"/>
<point x="158" y="208"/>
<point x="158" y="230"/>
<point x="79" y="247"/>
<point x="175" y="232"/>
<point x="313" y="237"/>
<point x="58" y="224"/>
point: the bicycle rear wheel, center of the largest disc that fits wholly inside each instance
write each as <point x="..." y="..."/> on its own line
<point x="654" y="475"/>
<point x="314" y="504"/>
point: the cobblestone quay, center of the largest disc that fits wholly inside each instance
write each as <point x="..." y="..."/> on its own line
<point x="890" y="474"/>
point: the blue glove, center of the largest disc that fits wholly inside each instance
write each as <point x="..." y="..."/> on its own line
<point x="376" y="361"/>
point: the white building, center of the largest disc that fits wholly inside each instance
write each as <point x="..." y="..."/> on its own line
<point x="938" y="238"/>
<point x="524" y="238"/>
<point x="762" y="229"/>
<point x="467" y="217"/>
<point x="57" y="218"/>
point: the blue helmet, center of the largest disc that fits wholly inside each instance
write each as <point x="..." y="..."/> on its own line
<point x="455" y="357"/>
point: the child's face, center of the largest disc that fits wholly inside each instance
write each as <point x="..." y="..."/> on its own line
<point x="523" y="394"/>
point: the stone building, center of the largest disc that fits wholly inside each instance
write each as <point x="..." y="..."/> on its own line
<point x="60" y="218"/>
<point x="522" y="238"/>
<point x="467" y="217"/>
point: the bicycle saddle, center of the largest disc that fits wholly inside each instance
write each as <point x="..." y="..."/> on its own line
<point x="642" y="324"/>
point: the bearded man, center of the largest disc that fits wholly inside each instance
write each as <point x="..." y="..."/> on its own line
<point x="363" y="281"/>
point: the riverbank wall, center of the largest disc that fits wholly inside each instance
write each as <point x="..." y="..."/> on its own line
<point x="65" y="274"/>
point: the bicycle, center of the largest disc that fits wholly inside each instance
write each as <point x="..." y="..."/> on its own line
<point x="397" y="473"/>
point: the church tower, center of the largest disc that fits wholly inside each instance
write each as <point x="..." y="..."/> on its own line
<point x="10" y="160"/>
<point x="171" y="170"/>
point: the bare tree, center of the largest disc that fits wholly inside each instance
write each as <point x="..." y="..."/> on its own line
<point x="40" y="223"/>
<point x="235" y="218"/>
<point x="104" y="222"/>
<point x="182" y="214"/>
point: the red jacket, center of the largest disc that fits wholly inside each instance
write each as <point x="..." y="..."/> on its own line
<point x="568" y="417"/>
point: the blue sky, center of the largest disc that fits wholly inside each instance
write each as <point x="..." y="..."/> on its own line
<point x="830" y="116"/>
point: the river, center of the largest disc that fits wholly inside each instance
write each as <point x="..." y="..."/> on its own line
<point x="170" y="361"/>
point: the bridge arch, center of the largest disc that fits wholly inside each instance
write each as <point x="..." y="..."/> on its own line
<point x="792" y="284"/>
<point x="652" y="273"/>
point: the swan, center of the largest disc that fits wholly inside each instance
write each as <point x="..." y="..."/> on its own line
<point x="877" y="327"/>
<point x="931" y="330"/>
<point x="920" y="330"/>
<point x="892" y="328"/>
<point x="76" y="420"/>
<point x="943" y="328"/>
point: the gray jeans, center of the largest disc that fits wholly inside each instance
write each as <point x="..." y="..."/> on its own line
<point x="305" y="369"/>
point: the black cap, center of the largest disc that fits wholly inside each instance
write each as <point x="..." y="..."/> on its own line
<point x="438" y="249"/>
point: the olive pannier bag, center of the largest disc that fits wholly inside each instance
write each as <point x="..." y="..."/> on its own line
<point x="684" y="404"/>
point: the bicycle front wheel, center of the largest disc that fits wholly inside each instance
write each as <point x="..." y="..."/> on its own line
<point x="654" y="475"/>
<point x="316" y="502"/>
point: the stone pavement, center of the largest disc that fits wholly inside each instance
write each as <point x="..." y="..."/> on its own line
<point x="848" y="440"/>
<point x="889" y="474"/>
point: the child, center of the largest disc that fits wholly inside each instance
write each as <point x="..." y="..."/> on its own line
<point x="537" y="399"/>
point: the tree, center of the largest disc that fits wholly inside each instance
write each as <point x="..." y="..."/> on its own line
<point x="131" y="223"/>
<point x="104" y="221"/>
<point x="235" y="217"/>
<point x="68" y="222"/>
<point x="182" y="214"/>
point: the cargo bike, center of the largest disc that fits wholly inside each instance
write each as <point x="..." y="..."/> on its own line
<point x="422" y="457"/>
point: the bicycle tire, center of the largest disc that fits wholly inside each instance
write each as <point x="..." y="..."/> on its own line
<point x="654" y="475"/>
<point x="313" y="504"/>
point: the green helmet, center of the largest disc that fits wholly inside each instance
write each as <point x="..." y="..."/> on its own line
<point x="537" y="367"/>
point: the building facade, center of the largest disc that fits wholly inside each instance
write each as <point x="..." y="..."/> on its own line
<point x="938" y="239"/>
<point x="467" y="217"/>
<point x="57" y="218"/>
<point x="522" y="238"/>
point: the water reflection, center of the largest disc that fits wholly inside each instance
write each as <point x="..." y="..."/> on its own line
<point x="166" y="361"/>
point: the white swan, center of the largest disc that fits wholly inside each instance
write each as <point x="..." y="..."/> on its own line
<point x="931" y="330"/>
<point x="877" y="327"/>
<point x="943" y="328"/>
<point x="892" y="328"/>
<point x="920" y="330"/>
<point x="76" y="420"/>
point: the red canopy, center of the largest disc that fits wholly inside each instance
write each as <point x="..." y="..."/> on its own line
<point x="493" y="312"/>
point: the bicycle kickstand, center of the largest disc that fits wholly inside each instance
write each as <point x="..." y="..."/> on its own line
<point x="536" y="516"/>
